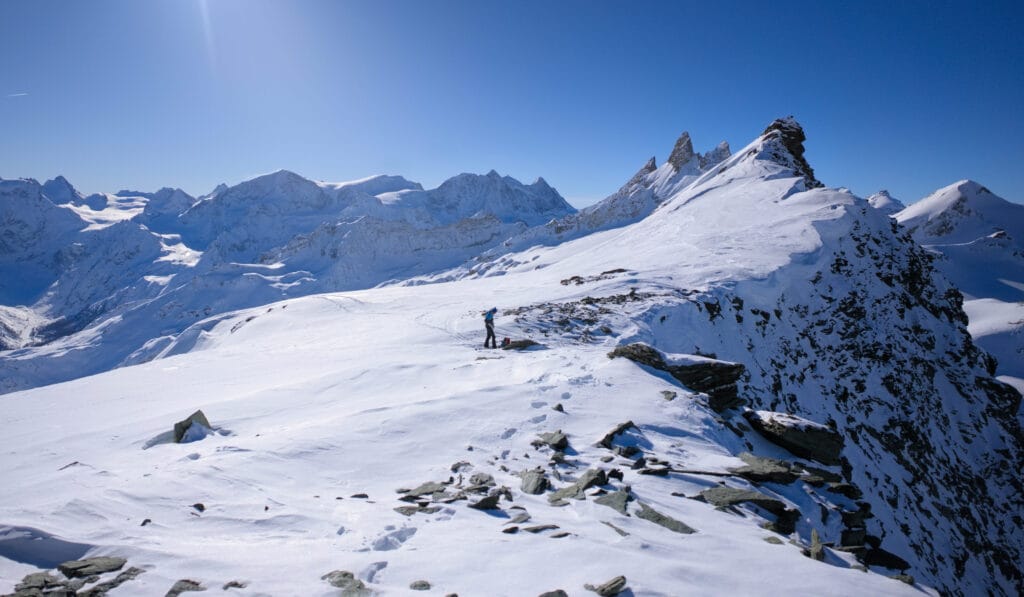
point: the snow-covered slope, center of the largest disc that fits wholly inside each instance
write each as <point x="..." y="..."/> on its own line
<point x="122" y="282"/>
<point x="978" y="239"/>
<point x="841" y="324"/>
<point x="885" y="202"/>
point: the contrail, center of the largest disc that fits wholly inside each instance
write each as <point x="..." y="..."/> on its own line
<point x="16" y="94"/>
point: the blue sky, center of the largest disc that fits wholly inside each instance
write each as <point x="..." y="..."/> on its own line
<point x="905" y="95"/>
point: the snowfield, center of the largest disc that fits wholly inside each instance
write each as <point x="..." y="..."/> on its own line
<point x="795" y="404"/>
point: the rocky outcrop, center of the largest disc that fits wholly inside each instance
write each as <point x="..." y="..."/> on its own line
<point x="715" y="378"/>
<point x="804" y="438"/>
<point x="785" y="145"/>
<point x="682" y="152"/>
<point x="183" y="428"/>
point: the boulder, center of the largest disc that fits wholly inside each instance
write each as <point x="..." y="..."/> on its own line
<point x="609" y="589"/>
<point x="184" y="586"/>
<point x="519" y="345"/>
<point x="606" y="441"/>
<point x="802" y="437"/>
<point x="556" y="440"/>
<point x="715" y="378"/>
<point x="723" y="497"/>
<point x="535" y="482"/>
<point x="181" y="428"/>
<point x="419" y="585"/>
<point x="90" y="566"/>
<point x="616" y="501"/>
<point x="346" y="581"/>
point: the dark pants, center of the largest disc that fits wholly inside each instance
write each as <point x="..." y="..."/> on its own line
<point x="490" y="335"/>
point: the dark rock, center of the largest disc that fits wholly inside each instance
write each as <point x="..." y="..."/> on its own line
<point x="359" y="496"/>
<point x="904" y="578"/>
<point x="852" y="537"/>
<point x="715" y="378"/>
<point x="558" y="407"/>
<point x="556" y="440"/>
<point x="606" y="441"/>
<point x="488" y="503"/>
<point x="652" y="515"/>
<point x="541" y="528"/>
<point x="182" y="427"/>
<point x="346" y="581"/>
<point x="420" y="585"/>
<point x="535" y="482"/>
<point x="234" y="584"/>
<point x="145" y="522"/>
<point x="668" y="394"/>
<point x="790" y="138"/>
<point x="519" y="345"/>
<point x="510" y="530"/>
<point x="481" y="479"/>
<point x="616" y="501"/>
<point x="560" y="534"/>
<point x="657" y="472"/>
<point x="886" y="559"/>
<point x="609" y="589"/>
<point x="91" y="566"/>
<point x="607" y="458"/>
<point x="519" y="518"/>
<point x="846" y="489"/>
<point x="200" y="507"/>
<point x="555" y="593"/>
<point x="428" y="488"/>
<point x="459" y="467"/>
<point x="184" y="586"/>
<point x="626" y="451"/>
<point x="765" y="470"/>
<point x="801" y="437"/>
<point x="588" y="479"/>
<point x="102" y="588"/>
<point x="724" y="497"/>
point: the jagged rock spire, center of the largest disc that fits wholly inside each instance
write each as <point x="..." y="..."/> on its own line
<point x="790" y="135"/>
<point x="682" y="153"/>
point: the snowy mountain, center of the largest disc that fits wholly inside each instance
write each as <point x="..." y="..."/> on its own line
<point x="978" y="238"/>
<point x="885" y="202"/>
<point x="118" y="285"/>
<point x="759" y="382"/>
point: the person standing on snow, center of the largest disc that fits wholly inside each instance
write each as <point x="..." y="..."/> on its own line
<point x="489" y="324"/>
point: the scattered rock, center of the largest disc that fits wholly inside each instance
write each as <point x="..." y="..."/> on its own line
<point x="606" y="441"/>
<point x="535" y="482"/>
<point x="519" y="518"/>
<point x="556" y="440"/>
<point x="199" y="506"/>
<point x="886" y="559"/>
<point x="555" y="593"/>
<point x="359" y="496"/>
<point x="101" y="589"/>
<point x="652" y="515"/>
<point x="458" y="467"/>
<point x="541" y="528"/>
<point x="588" y="479"/>
<point x="91" y="566"/>
<point x="846" y="489"/>
<point x="765" y="470"/>
<point x="609" y="589"/>
<point x="37" y="580"/>
<point x="418" y="509"/>
<point x="802" y="437"/>
<point x="146" y="521"/>
<point x="773" y="540"/>
<point x="182" y="427"/>
<point x="724" y="497"/>
<point x="512" y="530"/>
<point x="615" y="528"/>
<point x="558" y="407"/>
<point x="420" y="585"/>
<point x="616" y="501"/>
<point x="904" y="578"/>
<point x="560" y="535"/>
<point x="488" y="503"/>
<point x="668" y="394"/>
<point x="607" y="458"/>
<point x="483" y="479"/>
<point x="346" y="581"/>
<point x="235" y="584"/>
<point x="184" y="586"/>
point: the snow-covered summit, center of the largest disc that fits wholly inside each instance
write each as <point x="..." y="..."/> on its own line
<point x="59" y="190"/>
<point x="783" y="142"/>
<point x="962" y="212"/>
<point x="885" y="202"/>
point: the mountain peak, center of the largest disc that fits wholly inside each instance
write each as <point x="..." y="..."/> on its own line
<point x="682" y="153"/>
<point x="60" y="191"/>
<point x="789" y="136"/>
<point x="885" y="202"/>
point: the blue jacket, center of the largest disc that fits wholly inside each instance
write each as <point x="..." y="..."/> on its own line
<point x="489" y="316"/>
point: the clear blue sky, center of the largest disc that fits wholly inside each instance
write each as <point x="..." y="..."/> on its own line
<point x="903" y="95"/>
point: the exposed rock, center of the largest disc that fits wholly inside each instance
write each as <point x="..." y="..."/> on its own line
<point x="558" y="407"/>
<point x="535" y="482"/>
<point x="418" y="509"/>
<point x="555" y="593"/>
<point x="609" y="589"/>
<point x="715" y="378"/>
<point x="199" y="507"/>
<point x="800" y="436"/>
<point x="724" y="497"/>
<point x="669" y="394"/>
<point x="616" y="500"/>
<point x="428" y="488"/>
<point x="102" y="588"/>
<point x="91" y="566"/>
<point x="182" y="427"/>
<point x="588" y="479"/>
<point x="519" y="345"/>
<point x="682" y="152"/>
<point x="615" y="528"/>
<point x="346" y="581"/>
<point x="458" y="467"/>
<point x="773" y="540"/>
<point x="906" y="578"/>
<point x="419" y="585"/>
<point x="606" y="441"/>
<point x="816" y="551"/>
<point x="234" y="584"/>
<point x="652" y="515"/>
<point x="541" y="528"/>
<point x="765" y="470"/>
<point x="481" y="479"/>
<point x="488" y="503"/>
<point x="184" y="586"/>
<point x="886" y="559"/>
<point x="556" y="440"/>
<point x="790" y="137"/>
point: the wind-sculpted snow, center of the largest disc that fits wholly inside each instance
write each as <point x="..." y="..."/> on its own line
<point x="369" y="427"/>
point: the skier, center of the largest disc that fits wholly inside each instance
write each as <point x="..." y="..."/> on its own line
<point x="489" y="324"/>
